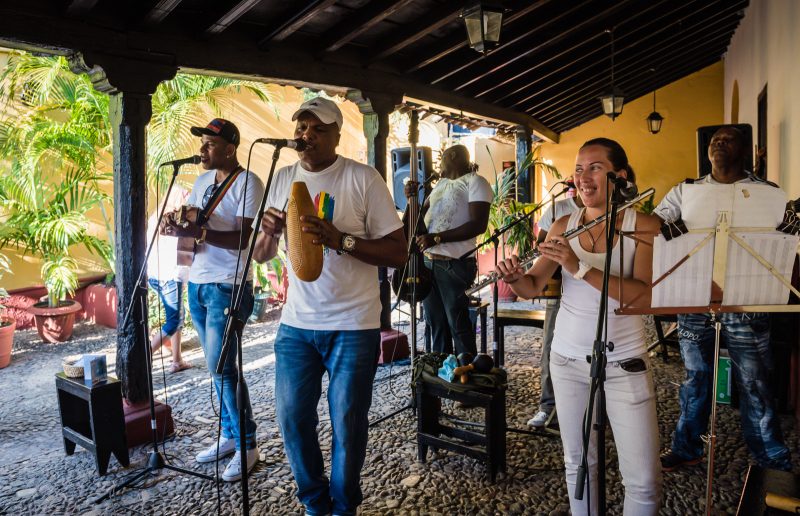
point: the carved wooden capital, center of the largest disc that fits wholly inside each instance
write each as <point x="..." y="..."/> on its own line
<point x="115" y="74"/>
<point x="370" y="102"/>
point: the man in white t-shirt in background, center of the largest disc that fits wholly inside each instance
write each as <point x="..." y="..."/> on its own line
<point x="455" y="212"/>
<point x="221" y="246"/>
<point x="332" y="324"/>
<point x="547" y="399"/>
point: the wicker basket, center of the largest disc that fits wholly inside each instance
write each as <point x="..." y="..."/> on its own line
<point x="73" y="371"/>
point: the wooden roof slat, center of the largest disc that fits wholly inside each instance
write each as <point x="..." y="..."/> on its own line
<point x="227" y="19"/>
<point x="159" y="12"/>
<point x="428" y="23"/>
<point x="300" y="18"/>
<point x="79" y="7"/>
<point x="456" y="41"/>
<point x="645" y="55"/>
<point x="498" y="52"/>
<point x="361" y="22"/>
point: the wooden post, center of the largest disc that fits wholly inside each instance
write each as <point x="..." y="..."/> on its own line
<point x="130" y="84"/>
<point x="525" y="178"/>
<point x="376" y="108"/>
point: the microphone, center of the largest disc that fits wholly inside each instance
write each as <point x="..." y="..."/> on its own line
<point x="627" y="189"/>
<point x="193" y="160"/>
<point x="297" y="144"/>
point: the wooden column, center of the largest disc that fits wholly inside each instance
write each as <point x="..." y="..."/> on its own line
<point x="130" y="84"/>
<point x="525" y="178"/>
<point x="376" y="108"/>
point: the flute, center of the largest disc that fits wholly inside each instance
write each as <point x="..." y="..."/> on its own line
<point x="493" y="277"/>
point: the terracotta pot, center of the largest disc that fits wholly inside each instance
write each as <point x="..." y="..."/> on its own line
<point x="55" y="324"/>
<point x="6" y="339"/>
<point x="100" y="304"/>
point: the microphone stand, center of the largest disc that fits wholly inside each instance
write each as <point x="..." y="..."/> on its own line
<point x="234" y="325"/>
<point x="597" y="374"/>
<point x="155" y="461"/>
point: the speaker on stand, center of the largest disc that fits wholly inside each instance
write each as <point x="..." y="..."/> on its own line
<point x="401" y="168"/>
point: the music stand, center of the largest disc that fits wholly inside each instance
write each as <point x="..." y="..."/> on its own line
<point x="721" y="262"/>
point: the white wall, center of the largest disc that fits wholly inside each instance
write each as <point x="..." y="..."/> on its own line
<point x="765" y="50"/>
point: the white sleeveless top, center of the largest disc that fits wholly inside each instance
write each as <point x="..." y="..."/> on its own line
<point x="576" y="322"/>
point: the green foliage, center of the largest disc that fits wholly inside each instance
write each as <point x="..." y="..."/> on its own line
<point x="505" y="208"/>
<point x="276" y="265"/>
<point x="54" y="134"/>
<point x="648" y="206"/>
<point x="5" y="266"/>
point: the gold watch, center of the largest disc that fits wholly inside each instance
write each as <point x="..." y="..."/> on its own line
<point x="437" y="238"/>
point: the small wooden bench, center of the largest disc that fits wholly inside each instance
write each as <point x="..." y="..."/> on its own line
<point x="507" y="317"/>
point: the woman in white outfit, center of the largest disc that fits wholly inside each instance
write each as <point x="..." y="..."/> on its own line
<point x="630" y="395"/>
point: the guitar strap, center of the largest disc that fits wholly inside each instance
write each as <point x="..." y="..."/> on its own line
<point x="216" y="198"/>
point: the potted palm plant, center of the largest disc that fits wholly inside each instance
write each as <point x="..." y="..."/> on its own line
<point x="505" y="209"/>
<point x="7" y="324"/>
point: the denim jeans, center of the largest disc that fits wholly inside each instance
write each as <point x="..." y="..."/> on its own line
<point x="547" y="400"/>
<point x="631" y="409"/>
<point x="447" y="306"/>
<point x="350" y="359"/>
<point x="171" y="294"/>
<point x="207" y="303"/>
<point x="747" y="338"/>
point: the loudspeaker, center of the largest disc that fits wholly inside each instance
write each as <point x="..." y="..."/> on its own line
<point x="704" y="135"/>
<point x="401" y="169"/>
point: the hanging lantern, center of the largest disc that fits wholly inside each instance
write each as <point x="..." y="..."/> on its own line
<point x="613" y="100"/>
<point x="483" y="23"/>
<point x="654" y="120"/>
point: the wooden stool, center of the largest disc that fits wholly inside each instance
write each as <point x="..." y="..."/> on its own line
<point x="489" y="447"/>
<point x="92" y="417"/>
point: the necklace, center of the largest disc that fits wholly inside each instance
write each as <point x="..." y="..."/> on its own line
<point x="593" y="238"/>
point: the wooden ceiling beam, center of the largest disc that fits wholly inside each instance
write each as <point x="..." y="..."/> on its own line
<point x="536" y="30"/>
<point x="79" y="7"/>
<point x="594" y="111"/>
<point x="632" y="43"/>
<point x="428" y="23"/>
<point x="293" y="23"/>
<point x="456" y="41"/>
<point x="227" y="19"/>
<point x="159" y="12"/>
<point x="362" y="20"/>
<point x="647" y="58"/>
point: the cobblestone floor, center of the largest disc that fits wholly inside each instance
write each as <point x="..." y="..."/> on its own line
<point x="36" y="477"/>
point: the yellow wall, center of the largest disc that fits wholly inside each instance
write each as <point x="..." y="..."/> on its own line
<point x="662" y="160"/>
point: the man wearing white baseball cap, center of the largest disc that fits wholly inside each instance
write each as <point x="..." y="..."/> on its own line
<point x="333" y="323"/>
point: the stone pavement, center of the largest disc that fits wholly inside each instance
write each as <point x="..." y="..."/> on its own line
<point x="36" y="477"/>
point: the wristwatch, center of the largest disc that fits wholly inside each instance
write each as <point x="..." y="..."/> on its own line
<point x="202" y="238"/>
<point x="437" y="238"/>
<point x="347" y="243"/>
<point x="583" y="268"/>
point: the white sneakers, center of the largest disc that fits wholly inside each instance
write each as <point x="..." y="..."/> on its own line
<point x="226" y="447"/>
<point x="233" y="471"/>
<point x="539" y="419"/>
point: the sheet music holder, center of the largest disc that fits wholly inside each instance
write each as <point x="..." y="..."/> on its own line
<point x="731" y="260"/>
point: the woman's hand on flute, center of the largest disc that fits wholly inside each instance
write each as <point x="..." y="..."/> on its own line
<point x="558" y="250"/>
<point x="509" y="270"/>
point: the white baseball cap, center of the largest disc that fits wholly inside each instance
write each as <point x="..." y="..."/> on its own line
<point x="326" y="110"/>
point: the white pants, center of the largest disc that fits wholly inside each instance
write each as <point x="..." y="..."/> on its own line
<point x="631" y="409"/>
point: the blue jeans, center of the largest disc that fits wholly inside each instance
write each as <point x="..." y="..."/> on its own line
<point x="747" y="338"/>
<point x="447" y="306"/>
<point x="171" y="294"/>
<point x="350" y="359"/>
<point x="207" y="303"/>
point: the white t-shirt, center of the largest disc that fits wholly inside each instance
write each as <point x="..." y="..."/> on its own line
<point x="162" y="265"/>
<point x="355" y="198"/>
<point x="669" y="209"/>
<point x="213" y="264"/>
<point x="562" y="207"/>
<point x="449" y="208"/>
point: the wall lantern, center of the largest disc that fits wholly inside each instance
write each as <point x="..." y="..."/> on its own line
<point x="613" y="100"/>
<point x="654" y="120"/>
<point x="483" y="22"/>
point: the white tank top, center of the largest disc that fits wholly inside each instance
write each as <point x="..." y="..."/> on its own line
<point x="576" y="322"/>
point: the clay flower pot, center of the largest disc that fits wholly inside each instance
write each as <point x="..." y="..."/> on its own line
<point x="54" y="324"/>
<point x="7" y="327"/>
